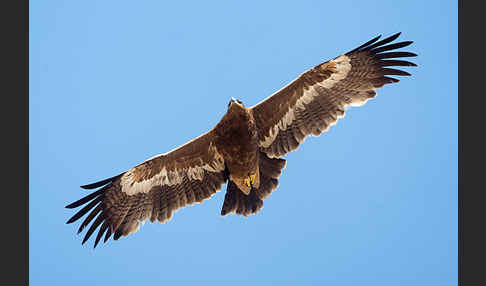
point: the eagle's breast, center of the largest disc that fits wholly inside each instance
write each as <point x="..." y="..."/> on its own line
<point x="237" y="141"/>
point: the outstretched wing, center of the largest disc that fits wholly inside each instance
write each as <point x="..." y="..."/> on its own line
<point x="318" y="97"/>
<point x="152" y="190"/>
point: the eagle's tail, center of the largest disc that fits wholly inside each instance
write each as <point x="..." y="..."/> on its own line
<point x="235" y="201"/>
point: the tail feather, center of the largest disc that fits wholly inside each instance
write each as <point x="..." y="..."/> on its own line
<point x="235" y="201"/>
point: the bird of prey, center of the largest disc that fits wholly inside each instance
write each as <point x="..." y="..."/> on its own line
<point x="244" y="149"/>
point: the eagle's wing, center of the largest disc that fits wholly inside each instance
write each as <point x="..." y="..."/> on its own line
<point x="153" y="190"/>
<point x="318" y="97"/>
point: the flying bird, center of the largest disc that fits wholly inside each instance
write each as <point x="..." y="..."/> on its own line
<point x="244" y="149"/>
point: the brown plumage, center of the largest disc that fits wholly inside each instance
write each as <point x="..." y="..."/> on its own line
<point x="243" y="149"/>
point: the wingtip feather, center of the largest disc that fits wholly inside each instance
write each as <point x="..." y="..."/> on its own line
<point x="100" y="183"/>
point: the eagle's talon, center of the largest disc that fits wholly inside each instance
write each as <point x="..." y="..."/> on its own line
<point x="249" y="181"/>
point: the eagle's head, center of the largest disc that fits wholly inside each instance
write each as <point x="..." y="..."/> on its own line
<point x="236" y="103"/>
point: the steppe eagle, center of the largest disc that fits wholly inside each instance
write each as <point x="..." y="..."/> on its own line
<point x="244" y="149"/>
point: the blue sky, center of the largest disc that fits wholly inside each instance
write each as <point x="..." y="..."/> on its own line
<point x="371" y="202"/>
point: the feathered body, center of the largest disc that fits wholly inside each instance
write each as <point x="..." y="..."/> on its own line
<point x="244" y="150"/>
<point x="236" y="138"/>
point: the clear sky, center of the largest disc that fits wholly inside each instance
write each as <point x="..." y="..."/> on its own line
<point x="371" y="202"/>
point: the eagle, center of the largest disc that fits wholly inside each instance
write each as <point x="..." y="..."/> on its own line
<point x="244" y="149"/>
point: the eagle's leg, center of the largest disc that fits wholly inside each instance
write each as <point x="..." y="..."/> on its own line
<point x="250" y="180"/>
<point x="250" y="200"/>
<point x="246" y="182"/>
